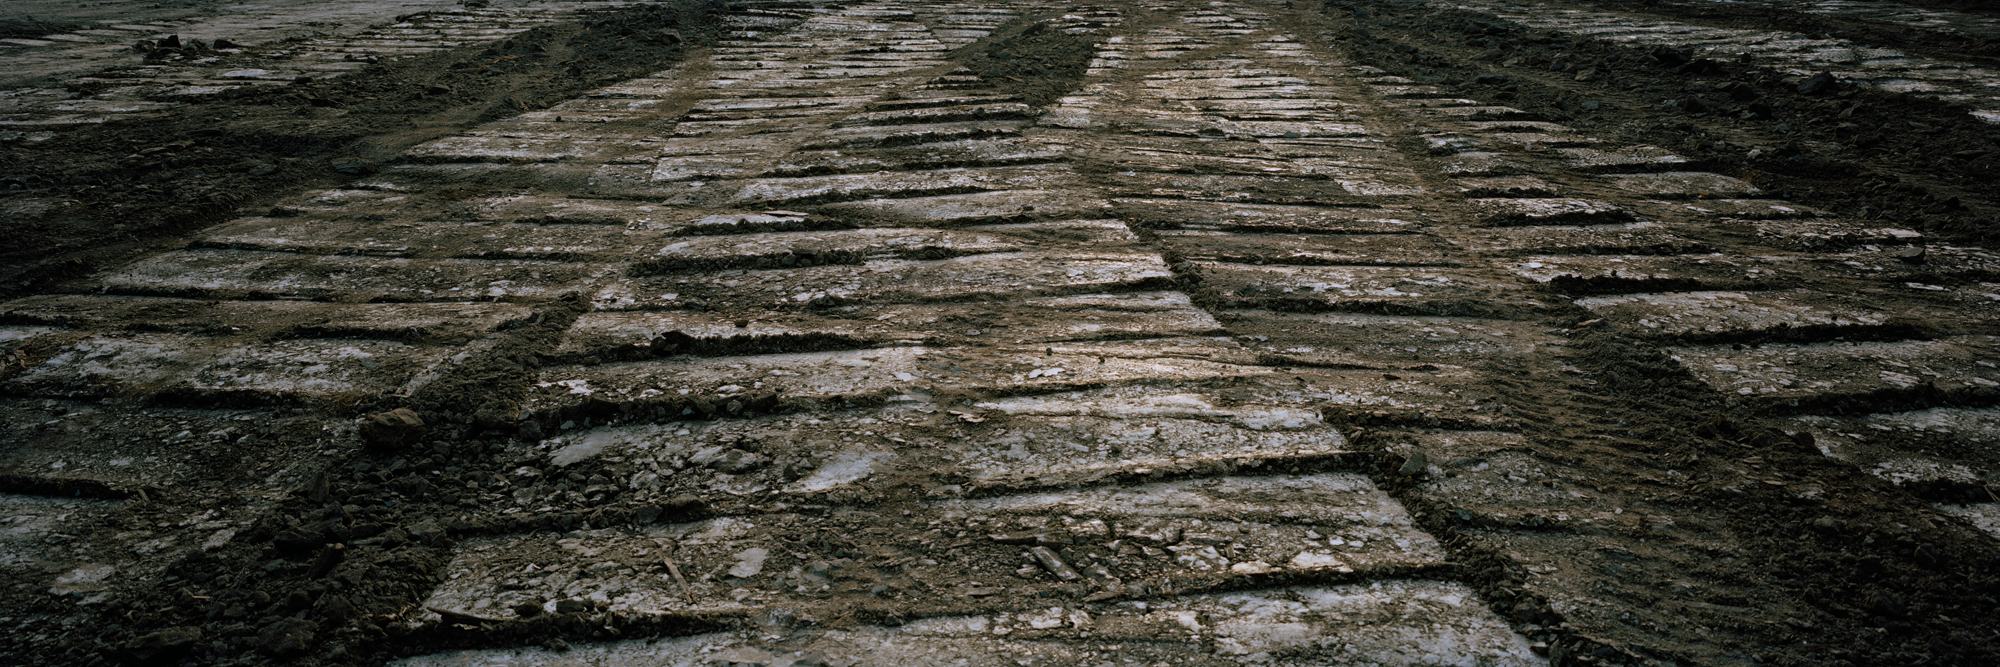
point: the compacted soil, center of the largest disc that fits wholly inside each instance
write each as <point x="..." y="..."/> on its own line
<point x="1149" y="332"/>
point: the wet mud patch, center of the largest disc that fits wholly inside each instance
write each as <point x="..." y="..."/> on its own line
<point x="1038" y="59"/>
<point x="94" y="196"/>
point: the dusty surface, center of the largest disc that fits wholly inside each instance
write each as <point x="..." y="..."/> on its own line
<point x="1149" y="333"/>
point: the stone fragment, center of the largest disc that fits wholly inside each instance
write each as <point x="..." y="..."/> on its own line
<point x="1054" y="564"/>
<point x="391" y="431"/>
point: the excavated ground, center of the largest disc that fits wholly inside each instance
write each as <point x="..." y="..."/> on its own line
<point x="1156" y="332"/>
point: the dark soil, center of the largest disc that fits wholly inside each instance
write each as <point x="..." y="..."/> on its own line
<point x="121" y="188"/>
<point x="1859" y="572"/>
<point x="1033" y="58"/>
<point x="1905" y="160"/>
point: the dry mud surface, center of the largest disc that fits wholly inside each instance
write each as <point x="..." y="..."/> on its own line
<point x="808" y="334"/>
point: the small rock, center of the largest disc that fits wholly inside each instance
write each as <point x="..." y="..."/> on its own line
<point x="163" y="647"/>
<point x="1103" y="595"/>
<point x="287" y="637"/>
<point x="1699" y="67"/>
<point x="749" y="562"/>
<point x="528" y="608"/>
<point x="571" y="606"/>
<point x="335" y="609"/>
<point x="646" y="514"/>
<point x="1252" y="567"/>
<point x="684" y="507"/>
<point x="1739" y="90"/>
<point x="426" y="531"/>
<point x="351" y="165"/>
<point x="1671" y="57"/>
<point x="297" y="539"/>
<point x="391" y="431"/>
<point x="1804" y="439"/>
<point x="1054" y="564"/>
<point x="1822" y="82"/>
<point x="1884" y="603"/>
<point x="812" y="658"/>
<point x="743" y="655"/>
<point x="329" y="558"/>
<point x="732" y="461"/>
<point x="437" y="89"/>
<point x="1929" y="556"/>
<point x="1018" y="537"/>
<point x="319" y="488"/>
<point x="1911" y="255"/>
<point x="224" y="43"/>
<point x="670" y="343"/>
<point x="1415" y="465"/>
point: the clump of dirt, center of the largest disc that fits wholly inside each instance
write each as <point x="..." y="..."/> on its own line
<point x="1905" y="160"/>
<point x="90" y="197"/>
<point x="1036" y="59"/>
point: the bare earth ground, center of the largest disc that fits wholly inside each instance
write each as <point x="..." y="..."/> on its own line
<point x="812" y="333"/>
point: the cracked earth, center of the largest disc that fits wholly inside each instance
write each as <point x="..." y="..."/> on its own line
<point x="1148" y="332"/>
